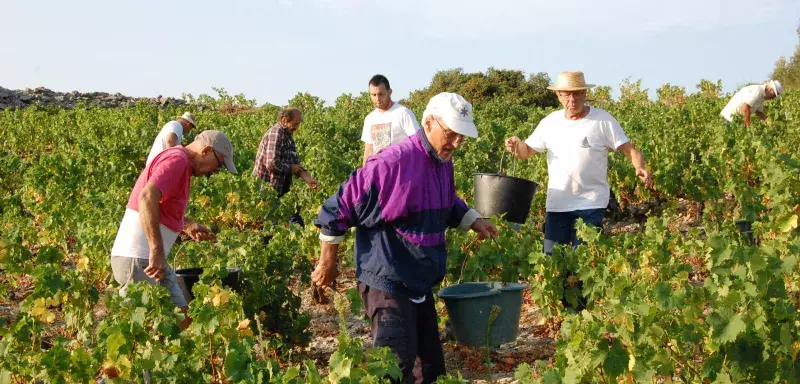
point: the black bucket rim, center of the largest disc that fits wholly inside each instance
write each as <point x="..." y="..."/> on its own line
<point x="192" y="271"/>
<point x="451" y="296"/>
<point x="505" y="176"/>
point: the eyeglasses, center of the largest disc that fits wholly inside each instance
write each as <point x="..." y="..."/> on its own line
<point x="218" y="162"/>
<point x="574" y="95"/>
<point x="449" y="135"/>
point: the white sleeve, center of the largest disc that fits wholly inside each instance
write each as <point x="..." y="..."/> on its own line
<point x="536" y="140"/>
<point x="409" y="123"/>
<point x="177" y="129"/>
<point x="168" y="128"/>
<point x="469" y="218"/>
<point x="613" y="133"/>
<point x="331" y="239"/>
<point x="366" y="135"/>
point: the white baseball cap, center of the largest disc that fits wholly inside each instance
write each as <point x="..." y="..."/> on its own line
<point x="188" y="117"/>
<point x="776" y="86"/>
<point x="454" y="111"/>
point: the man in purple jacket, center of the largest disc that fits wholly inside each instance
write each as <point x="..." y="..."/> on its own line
<point x="401" y="202"/>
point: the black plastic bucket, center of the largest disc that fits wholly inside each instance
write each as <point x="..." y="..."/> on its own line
<point x="744" y="225"/>
<point x="469" y="306"/>
<point x="745" y="228"/>
<point x="497" y="194"/>
<point x="188" y="276"/>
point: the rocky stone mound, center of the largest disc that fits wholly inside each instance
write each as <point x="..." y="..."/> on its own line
<point x="10" y="99"/>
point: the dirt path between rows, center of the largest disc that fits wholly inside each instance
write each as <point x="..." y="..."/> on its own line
<point x="535" y="341"/>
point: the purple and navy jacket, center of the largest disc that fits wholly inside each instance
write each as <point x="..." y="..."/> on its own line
<point x="401" y="203"/>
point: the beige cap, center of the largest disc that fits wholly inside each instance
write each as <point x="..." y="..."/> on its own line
<point x="221" y="144"/>
<point x="570" y="81"/>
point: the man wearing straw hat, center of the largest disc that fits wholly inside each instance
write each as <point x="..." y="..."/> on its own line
<point x="751" y="99"/>
<point x="401" y="204"/>
<point x="171" y="135"/>
<point x="576" y="139"/>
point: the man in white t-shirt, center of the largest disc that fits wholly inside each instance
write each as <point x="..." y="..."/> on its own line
<point x="389" y="123"/>
<point x="577" y="140"/>
<point x="751" y="99"/>
<point x="171" y="135"/>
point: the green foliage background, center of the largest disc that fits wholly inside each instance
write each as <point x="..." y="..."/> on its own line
<point x="699" y="305"/>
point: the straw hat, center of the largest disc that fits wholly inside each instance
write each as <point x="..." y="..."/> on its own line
<point x="570" y="81"/>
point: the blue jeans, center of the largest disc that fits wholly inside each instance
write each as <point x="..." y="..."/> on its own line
<point x="559" y="227"/>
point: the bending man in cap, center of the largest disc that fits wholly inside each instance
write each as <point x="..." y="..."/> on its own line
<point x="155" y="212"/>
<point x="389" y="123"/>
<point x="577" y="140"/>
<point x="401" y="203"/>
<point x="751" y="99"/>
<point x="171" y="135"/>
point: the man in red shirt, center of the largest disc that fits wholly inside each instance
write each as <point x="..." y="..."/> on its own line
<point x="154" y="215"/>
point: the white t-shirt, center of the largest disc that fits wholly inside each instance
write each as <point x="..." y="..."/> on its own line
<point x="131" y="240"/>
<point x="160" y="142"/>
<point x="577" y="158"/>
<point x="752" y="95"/>
<point x="382" y="129"/>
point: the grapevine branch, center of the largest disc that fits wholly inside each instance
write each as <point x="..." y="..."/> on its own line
<point x="683" y="361"/>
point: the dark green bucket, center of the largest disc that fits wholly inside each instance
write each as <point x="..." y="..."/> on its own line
<point x="469" y="306"/>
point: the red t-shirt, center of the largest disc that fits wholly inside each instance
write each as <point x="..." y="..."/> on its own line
<point x="171" y="173"/>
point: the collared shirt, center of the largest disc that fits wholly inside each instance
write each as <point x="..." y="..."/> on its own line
<point x="276" y="154"/>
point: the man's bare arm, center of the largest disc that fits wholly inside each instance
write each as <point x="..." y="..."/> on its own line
<point x="746" y="110"/>
<point x="367" y="153"/>
<point x="149" y="216"/>
<point x="172" y="140"/>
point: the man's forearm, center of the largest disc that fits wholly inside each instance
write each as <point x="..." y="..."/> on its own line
<point x="637" y="158"/>
<point x="746" y="110"/>
<point x="329" y="253"/>
<point x="149" y="216"/>
<point x="524" y="151"/>
<point x="296" y="169"/>
<point x="367" y="153"/>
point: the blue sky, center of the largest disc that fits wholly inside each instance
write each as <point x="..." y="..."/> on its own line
<point x="270" y="50"/>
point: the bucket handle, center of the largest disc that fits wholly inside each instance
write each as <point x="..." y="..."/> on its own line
<point x="464" y="262"/>
<point x="502" y="156"/>
<point x="515" y="159"/>
<point x="466" y="256"/>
